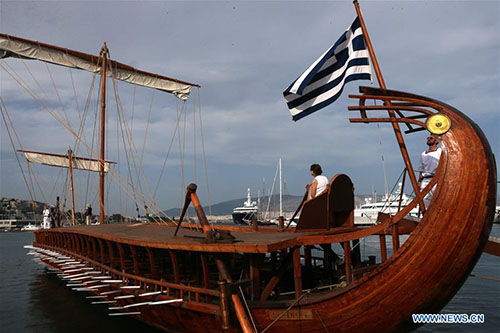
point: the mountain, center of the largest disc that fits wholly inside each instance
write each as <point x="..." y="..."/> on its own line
<point x="290" y="204"/>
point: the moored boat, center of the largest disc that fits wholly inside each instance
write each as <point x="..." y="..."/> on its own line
<point x="367" y="213"/>
<point x="246" y="213"/>
<point x="31" y="227"/>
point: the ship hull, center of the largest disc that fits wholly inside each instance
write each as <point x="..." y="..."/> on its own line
<point x="420" y="277"/>
<point x="244" y="218"/>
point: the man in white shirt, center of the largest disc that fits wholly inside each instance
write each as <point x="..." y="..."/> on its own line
<point x="46" y="218"/>
<point x="319" y="182"/>
<point x="429" y="161"/>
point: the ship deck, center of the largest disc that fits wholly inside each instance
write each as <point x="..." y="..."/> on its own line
<point x="162" y="236"/>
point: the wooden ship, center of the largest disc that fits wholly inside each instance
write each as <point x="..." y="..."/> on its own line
<point x="209" y="278"/>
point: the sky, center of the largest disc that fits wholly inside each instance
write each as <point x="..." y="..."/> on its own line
<point x="243" y="54"/>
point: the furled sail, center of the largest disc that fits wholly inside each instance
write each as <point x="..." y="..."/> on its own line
<point x="11" y="46"/>
<point x="62" y="161"/>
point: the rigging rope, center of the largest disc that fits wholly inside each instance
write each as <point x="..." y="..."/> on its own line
<point x="169" y="149"/>
<point x="2" y="106"/>
<point x="57" y="93"/>
<point x="131" y="142"/>
<point x="133" y="148"/>
<point x="147" y="125"/>
<point x="204" y="154"/>
<point x="272" y="191"/>
<point x="80" y="136"/>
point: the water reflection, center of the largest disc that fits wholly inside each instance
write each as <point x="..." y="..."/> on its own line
<point x="57" y="308"/>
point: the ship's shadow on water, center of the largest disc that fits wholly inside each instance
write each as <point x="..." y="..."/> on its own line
<point x="57" y="308"/>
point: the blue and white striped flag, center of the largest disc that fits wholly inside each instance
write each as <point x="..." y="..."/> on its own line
<point x="322" y="83"/>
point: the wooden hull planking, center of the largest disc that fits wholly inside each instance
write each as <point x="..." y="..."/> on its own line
<point x="420" y="277"/>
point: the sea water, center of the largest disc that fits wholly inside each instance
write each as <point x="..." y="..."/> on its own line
<point x="33" y="299"/>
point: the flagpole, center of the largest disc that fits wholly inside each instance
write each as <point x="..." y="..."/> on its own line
<point x="395" y="125"/>
<point x="378" y="72"/>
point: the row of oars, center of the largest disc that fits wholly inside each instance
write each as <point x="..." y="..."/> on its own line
<point x="83" y="278"/>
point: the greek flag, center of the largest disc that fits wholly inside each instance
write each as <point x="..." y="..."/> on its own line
<point x="322" y="83"/>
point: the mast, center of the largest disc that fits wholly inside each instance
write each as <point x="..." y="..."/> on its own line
<point x="104" y="55"/>
<point x="281" y="193"/>
<point x="395" y="125"/>
<point x="71" y="188"/>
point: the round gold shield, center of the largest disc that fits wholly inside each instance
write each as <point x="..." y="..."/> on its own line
<point x="438" y="124"/>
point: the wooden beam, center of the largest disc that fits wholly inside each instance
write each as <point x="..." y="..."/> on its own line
<point x="224" y="304"/>
<point x="239" y="310"/>
<point x="395" y="237"/>
<point x="255" y="263"/>
<point x="175" y="266"/>
<point x="102" y="251"/>
<point x="122" y="256"/>
<point x="347" y="262"/>
<point x="297" y="272"/>
<point x="88" y="246"/>
<point x="152" y="265"/>
<point x="276" y="277"/>
<point x="94" y="248"/>
<point x="383" y="248"/>
<point x="133" y="250"/>
<point x="111" y="254"/>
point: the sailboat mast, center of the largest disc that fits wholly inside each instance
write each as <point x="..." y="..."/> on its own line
<point x="104" y="56"/>
<point x="281" y="193"/>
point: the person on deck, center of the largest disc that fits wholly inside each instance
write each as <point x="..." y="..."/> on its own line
<point x="429" y="161"/>
<point x="88" y="214"/>
<point x="52" y="217"/>
<point x="46" y="218"/>
<point x="319" y="182"/>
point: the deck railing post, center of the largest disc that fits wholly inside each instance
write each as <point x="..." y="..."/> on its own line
<point x="383" y="248"/>
<point x="152" y="264"/>
<point x="347" y="262"/>
<point x="224" y="304"/>
<point x="297" y="272"/>
<point x="111" y="254"/>
<point x="102" y="251"/>
<point x="255" y="275"/>
<point x="133" y="250"/>
<point x="122" y="256"/>
<point x="88" y="246"/>
<point x="94" y="248"/>
<point x="395" y="237"/>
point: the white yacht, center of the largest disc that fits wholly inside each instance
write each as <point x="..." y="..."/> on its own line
<point x="247" y="212"/>
<point x="31" y="227"/>
<point x="368" y="212"/>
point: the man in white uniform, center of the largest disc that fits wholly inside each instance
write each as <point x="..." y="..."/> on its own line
<point x="429" y="161"/>
<point x="319" y="182"/>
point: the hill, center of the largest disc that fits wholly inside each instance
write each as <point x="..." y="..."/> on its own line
<point x="290" y="203"/>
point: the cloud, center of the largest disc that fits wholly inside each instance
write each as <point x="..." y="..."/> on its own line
<point x="244" y="54"/>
